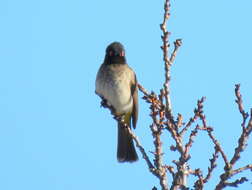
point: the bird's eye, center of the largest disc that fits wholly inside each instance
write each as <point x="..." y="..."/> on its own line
<point x="122" y="53"/>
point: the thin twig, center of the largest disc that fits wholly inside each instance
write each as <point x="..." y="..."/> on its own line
<point x="209" y="130"/>
<point x="242" y="142"/>
<point x="190" y="122"/>
<point x="168" y="61"/>
<point x="239" y="170"/>
<point x="240" y="105"/>
<point x="212" y="166"/>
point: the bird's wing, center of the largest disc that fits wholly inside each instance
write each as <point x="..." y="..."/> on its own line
<point x="134" y="92"/>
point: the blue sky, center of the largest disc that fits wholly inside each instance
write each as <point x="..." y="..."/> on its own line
<point x="53" y="133"/>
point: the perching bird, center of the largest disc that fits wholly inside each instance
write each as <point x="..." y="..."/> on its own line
<point x="116" y="83"/>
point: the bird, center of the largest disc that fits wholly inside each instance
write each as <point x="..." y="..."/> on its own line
<point x="116" y="82"/>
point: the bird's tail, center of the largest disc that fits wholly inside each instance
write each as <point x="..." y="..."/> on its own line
<point x="126" y="151"/>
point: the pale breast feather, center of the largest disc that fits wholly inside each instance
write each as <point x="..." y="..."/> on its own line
<point x="114" y="86"/>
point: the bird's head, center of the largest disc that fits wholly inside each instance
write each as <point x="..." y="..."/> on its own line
<point x="115" y="49"/>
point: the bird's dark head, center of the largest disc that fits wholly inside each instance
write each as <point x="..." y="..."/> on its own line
<point x="115" y="54"/>
<point x="115" y="49"/>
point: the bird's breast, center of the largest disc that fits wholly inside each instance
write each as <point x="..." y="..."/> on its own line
<point x="115" y="86"/>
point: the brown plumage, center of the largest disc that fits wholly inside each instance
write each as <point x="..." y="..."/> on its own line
<point x="116" y="82"/>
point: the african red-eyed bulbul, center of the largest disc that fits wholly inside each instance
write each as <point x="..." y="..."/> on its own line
<point x="116" y="83"/>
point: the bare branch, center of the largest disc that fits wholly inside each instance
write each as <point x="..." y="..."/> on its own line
<point x="168" y="61"/>
<point x="156" y="129"/>
<point x="239" y="170"/>
<point x="218" y="147"/>
<point x="242" y="142"/>
<point x="190" y="122"/>
<point x="212" y="165"/>
<point x="209" y="130"/>
<point x="240" y="105"/>
<point x="143" y="90"/>
<point x="190" y="141"/>
<point x="177" y="44"/>
<point x="233" y="184"/>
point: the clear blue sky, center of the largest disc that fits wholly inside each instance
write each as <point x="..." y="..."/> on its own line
<point x="54" y="135"/>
